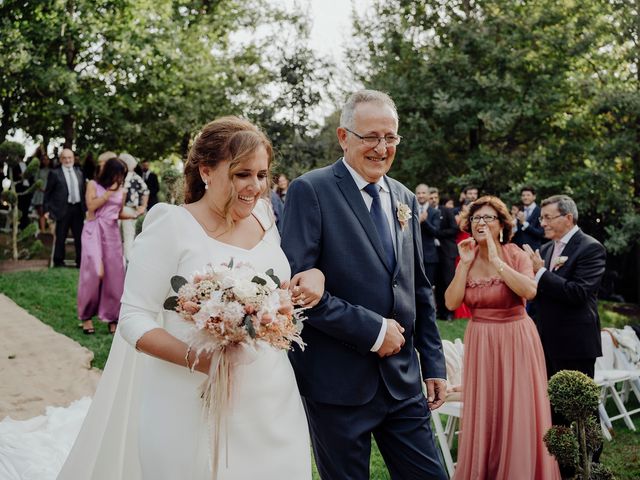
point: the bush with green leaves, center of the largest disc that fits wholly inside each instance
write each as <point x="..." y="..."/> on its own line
<point x="11" y="153"/>
<point x="575" y="396"/>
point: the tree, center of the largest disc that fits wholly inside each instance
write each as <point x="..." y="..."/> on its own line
<point x="502" y="93"/>
<point x="137" y="75"/>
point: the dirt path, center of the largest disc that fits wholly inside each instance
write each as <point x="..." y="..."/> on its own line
<point x="39" y="367"/>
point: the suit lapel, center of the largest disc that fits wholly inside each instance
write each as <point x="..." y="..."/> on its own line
<point x="548" y="254"/>
<point x="355" y="201"/>
<point x="395" y="198"/>
<point x="63" y="179"/>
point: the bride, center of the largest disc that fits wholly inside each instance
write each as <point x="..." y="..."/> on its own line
<point x="146" y="421"/>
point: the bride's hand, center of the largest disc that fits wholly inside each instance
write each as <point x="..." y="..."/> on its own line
<point x="307" y="287"/>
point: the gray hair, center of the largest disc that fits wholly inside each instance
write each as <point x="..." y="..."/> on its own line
<point x="433" y="190"/>
<point x="423" y="185"/>
<point x="364" y="96"/>
<point x="565" y="203"/>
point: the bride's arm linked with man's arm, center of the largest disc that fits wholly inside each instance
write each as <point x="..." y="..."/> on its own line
<point x="157" y="253"/>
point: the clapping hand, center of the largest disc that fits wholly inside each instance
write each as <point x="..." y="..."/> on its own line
<point x="492" y="249"/>
<point x="535" y="257"/>
<point x="467" y="250"/>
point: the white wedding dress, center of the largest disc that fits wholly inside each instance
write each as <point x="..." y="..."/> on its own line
<point x="146" y="421"/>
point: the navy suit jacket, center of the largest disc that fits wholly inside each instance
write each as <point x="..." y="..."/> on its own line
<point x="533" y="235"/>
<point x="429" y="230"/>
<point x="567" y="303"/>
<point x="327" y="225"/>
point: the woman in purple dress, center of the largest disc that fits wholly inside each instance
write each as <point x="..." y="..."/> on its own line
<point x="102" y="266"/>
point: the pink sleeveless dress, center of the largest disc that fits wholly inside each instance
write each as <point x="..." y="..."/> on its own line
<point x="102" y="247"/>
<point x="506" y="409"/>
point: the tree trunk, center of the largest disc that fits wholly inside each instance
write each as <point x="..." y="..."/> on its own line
<point x="184" y="145"/>
<point x="6" y="119"/>
<point x="69" y="129"/>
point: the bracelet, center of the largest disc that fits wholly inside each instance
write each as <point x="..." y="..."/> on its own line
<point x="186" y="359"/>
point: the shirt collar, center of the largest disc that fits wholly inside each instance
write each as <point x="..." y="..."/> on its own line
<point x="531" y="207"/>
<point x="361" y="182"/>
<point x="569" y="234"/>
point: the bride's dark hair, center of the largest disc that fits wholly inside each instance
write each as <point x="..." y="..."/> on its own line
<point x="229" y="139"/>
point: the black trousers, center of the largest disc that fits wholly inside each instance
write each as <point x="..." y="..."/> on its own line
<point x="74" y="219"/>
<point x="445" y="272"/>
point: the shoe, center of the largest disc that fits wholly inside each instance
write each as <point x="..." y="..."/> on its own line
<point x="88" y="330"/>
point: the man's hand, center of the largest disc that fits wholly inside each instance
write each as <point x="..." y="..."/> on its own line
<point x="535" y="257"/>
<point x="436" y="392"/>
<point x="393" y="339"/>
<point x="520" y="217"/>
<point x="423" y="216"/>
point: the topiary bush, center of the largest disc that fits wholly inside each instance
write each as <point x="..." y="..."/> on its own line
<point x="574" y="395"/>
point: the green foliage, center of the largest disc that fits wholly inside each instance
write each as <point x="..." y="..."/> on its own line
<point x="144" y="75"/>
<point x="562" y="444"/>
<point x="573" y="394"/>
<point x="503" y="93"/>
<point x="11" y="152"/>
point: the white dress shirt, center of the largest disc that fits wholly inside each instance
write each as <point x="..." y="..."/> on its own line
<point x="527" y="213"/>
<point x="72" y="184"/>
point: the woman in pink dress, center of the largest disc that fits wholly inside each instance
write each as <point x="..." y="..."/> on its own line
<point x="101" y="267"/>
<point x="506" y="410"/>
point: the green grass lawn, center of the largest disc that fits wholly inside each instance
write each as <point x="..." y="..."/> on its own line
<point x="51" y="296"/>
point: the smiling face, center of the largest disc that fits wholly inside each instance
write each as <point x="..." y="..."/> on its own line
<point x="482" y="229"/>
<point x="527" y="197"/>
<point x="422" y="194"/>
<point x="369" y="119"/>
<point x="248" y="182"/>
<point x="555" y="225"/>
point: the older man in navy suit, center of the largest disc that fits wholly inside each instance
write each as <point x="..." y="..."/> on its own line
<point x="359" y="374"/>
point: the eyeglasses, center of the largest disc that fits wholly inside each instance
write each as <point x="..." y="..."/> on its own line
<point x="548" y="218"/>
<point x="486" y="218"/>
<point x="372" y="141"/>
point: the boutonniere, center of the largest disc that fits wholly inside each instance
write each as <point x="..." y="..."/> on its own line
<point x="404" y="214"/>
<point x="560" y="261"/>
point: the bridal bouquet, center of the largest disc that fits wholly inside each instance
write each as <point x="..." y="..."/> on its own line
<point x="234" y="304"/>
<point x="232" y="307"/>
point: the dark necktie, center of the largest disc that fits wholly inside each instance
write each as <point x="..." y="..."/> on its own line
<point x="381" y="223"/>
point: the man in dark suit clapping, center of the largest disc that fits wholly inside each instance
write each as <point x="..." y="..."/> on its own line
<point x="568" y="270"/>
<point x="64" y="203"/>
<point x="528" y="228"/>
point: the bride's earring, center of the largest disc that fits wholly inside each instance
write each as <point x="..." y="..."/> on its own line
<point x="501" y="236"/>
<point x="206" y="184"/>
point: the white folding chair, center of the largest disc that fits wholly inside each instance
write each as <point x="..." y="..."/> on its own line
<point x="452" y="408"/>
<point x="606" y="377"/>
<point x="627" y="348"/>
